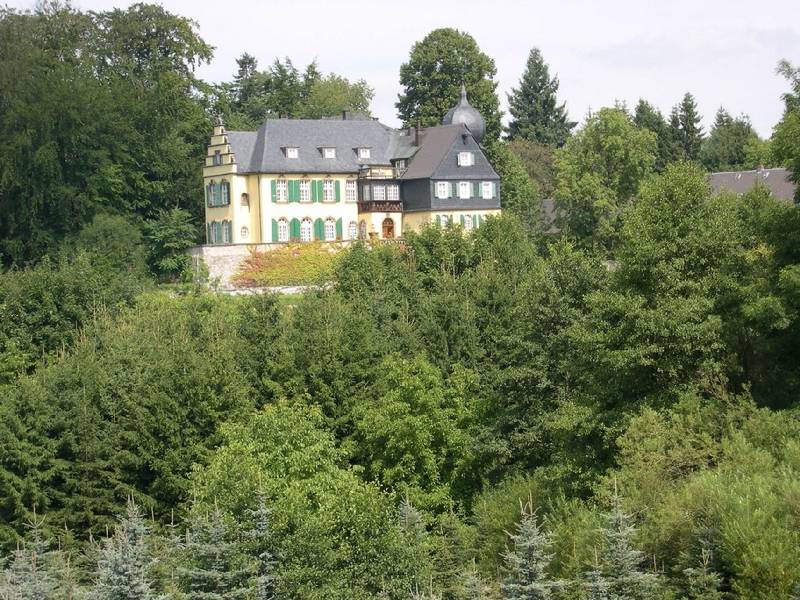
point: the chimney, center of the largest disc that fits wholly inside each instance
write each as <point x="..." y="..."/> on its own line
<point x="416" y="134"/>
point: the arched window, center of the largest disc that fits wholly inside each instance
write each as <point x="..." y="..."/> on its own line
<point x="352" y="230"/>
<point x="226" y="232"/>
<point x="387" y="228"/>
<point x="244" y="233"/>
<point x="283" y="230"/>
<point x="306" y="230"/>
<point x="362" y="230"/>
<point x="330" y="229"/>
<point x="245" y="200"/>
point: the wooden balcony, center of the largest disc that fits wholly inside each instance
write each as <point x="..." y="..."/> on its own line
<point x="380" y="206"/>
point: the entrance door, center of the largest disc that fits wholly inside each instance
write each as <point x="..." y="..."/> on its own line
<point x="388" y="229"/>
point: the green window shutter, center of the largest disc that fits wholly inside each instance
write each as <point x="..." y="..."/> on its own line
<point x="339" y="220"/>
<point x="273" y="186"/>
<point x="337" y="187"/>
<point x="462" y="220"/>
<point x="438" y="221"/>
<point x="208" y="233"/>
<point x="291" y="196"/>
<point x="297" y="190"/>
<point x="208" y="197"/>
<point x="314" y="192"/>
<point x="476" y="191"/>
<point x="494" y="189"/>
<point x="274" y="230"/>
<point x="319" y="229"/>
<point x="294" y="230"/>
<point x="474" y="221"/>
<point x="454" y="189"/>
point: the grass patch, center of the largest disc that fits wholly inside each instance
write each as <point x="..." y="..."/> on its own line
<point x="294" y="264"/>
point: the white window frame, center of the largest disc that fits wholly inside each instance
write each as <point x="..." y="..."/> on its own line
<point x="487" y="190"/>
<point x="226" y="233"/>
<point x="400" y="165"/>
<point x="467" y="222"/>
<point x="281" y="190"/>
<point x="330" y="229"/>
<point x="283" y="230"/>
<point x="352" y="230"/>
<point x="328" y="190"/>
<point x="442" y="189"/>
<point x="393" y="192"/>
<point x="350" y="190"/>
<point x="329" y="153"/>
<point x="292" y="152"/>
<point x="466" y="159"/>
<point x="464" y="190"/>
<point x="244" y="232"/>
<point x="306" y="233"/>
<point x="379" y="193"/>
<point x="364" y="153"/>
<point x="305" y="190"/>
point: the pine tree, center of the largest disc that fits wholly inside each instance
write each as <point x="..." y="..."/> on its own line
<point x="685" y="123"/>
<point x="412" y="526"/>
<point x="527" y="562"/>
<point x="533" y="106"/>
<point x="30" y="576"/>
<point x="214" y="568"/>
<point x="703" y="583"/>
<point x="621" y="564"/>
<point x="126" y="561"/>
<point x="260" y="537"/>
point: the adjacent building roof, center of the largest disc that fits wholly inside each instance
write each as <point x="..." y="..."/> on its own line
<point x="436" y="156"/>
<point x="777" y="180"/>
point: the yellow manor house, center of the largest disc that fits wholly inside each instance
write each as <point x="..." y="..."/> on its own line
<point x="301" y="180"/>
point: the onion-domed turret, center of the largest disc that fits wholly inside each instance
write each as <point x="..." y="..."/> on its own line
<point x="465" y="113"/>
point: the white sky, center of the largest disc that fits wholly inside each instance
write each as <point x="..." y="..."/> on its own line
<point x="723" y="51"/>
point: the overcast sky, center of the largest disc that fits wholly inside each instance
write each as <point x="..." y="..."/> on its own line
<point x="723" y="51"/>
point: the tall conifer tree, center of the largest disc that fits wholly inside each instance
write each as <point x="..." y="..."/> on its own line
<point x="685" y="123"/>
<point x="260" y="537"/>
<point x="536" y="114"/>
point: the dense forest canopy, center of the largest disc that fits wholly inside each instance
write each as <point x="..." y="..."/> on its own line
<point x="605" y="409"/>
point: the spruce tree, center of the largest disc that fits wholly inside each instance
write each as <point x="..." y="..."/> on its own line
<point x="685" y="123"/>
<point x="472" y="585"/>
<point x="527" y="562"/>
<point x="702" y="582"/>
<point x="214" y="566"/>
<point x="536" y="114"/>
<point x="648" y="117"/>
<point x="260" y="538"/>
<point x="621" y="564"/>
<point x="123" y="571"/>
<point x="29" y="576"/>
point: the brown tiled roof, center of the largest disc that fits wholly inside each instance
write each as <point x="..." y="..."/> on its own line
<point x="739" y="182"/>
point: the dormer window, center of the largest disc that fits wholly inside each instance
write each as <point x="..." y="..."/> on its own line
<point x="400" y="165"/>
<point x="364" y="153"/>
<point x="329" y="152"/>
<point x="292" y="152"/>
<point x="466" y="159"/>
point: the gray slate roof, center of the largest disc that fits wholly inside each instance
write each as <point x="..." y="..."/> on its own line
<point x="739" y="182"/>
<point x="262" y="151"/>
<point x="436" y="155"/>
